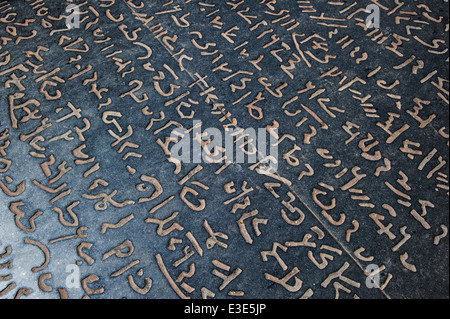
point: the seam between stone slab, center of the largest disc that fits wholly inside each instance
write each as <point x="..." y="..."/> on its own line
<point x="262" y="155"/>
<point x="334" y="238"/>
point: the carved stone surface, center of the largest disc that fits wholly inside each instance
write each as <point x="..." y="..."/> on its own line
<point x="353" y="96"/>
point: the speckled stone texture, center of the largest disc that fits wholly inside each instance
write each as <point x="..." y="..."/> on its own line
<point x="95" y="203"/>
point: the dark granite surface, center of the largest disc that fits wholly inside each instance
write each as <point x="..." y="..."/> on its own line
<point x="95" y="203"/>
